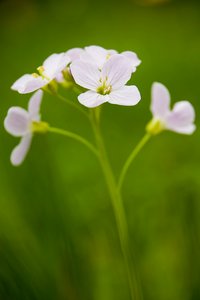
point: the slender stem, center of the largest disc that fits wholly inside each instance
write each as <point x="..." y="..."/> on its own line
<point x="71" y="103"/>
<point x="117" y="204"/>
<point x="75" y="137"/>
<point x="131" y="157"/>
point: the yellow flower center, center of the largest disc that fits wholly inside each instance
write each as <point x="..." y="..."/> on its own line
<point x="104" y="89"/>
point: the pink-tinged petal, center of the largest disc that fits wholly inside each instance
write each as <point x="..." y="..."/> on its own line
<point x="111" y="52"/>
<point x="55" y="64"/>
<point x="20" y="151"/>
<point x="127" y="96"/>
<point x="17" y="121"/>
<point x="181" y="118"/>
<point x="28" y="84"/>
<point x="189" y="129"/>
<point x="92" y="99"/>
<point x="34" y="105"/>
<point x="85" y="74"/>
<point x="96" y="54"/>
<point x="116" y="71"/>
<point x="160" y="104"/>
<point x="133" y="58"/>
<point x="60" y="78"/>
<point x="75" y="53"/>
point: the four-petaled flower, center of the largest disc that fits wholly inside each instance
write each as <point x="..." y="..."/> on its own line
<point x="106" y="84"/>
<point x="180" y="119"/>
<point x="51" y="68"/>
<point x="20" y="123"/>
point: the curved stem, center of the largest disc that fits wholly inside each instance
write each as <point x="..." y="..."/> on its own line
<point x="71" y="103"/>
<point x="131" y="157"/>
<point x="75" y="137"/>
<point x="117" y="204"/>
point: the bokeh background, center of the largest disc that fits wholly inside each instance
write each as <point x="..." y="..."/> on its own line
<point x="58" y="237"/>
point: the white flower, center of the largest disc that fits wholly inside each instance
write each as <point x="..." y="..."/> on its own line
<point x="19" y="123"/>
<point x="107" y="84"/>
<point x="50" y="69"/>
<point x="180" y="119"/>
<point x="98" y="55"/>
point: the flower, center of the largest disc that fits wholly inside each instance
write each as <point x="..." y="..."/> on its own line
<point x="180" y="119"/>
<point x="50" y="69"/>
<point x="22" y="123"/>
<point x="106" y="85"/>
<point x="99" y="56"/>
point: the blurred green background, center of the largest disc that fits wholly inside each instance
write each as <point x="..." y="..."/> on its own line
<point x="58" y="237"/>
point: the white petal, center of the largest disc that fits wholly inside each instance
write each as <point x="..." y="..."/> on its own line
<point x="181" y="118"/>
<point x="85" y="74"/>
<point x="19" y="153"/>
<point x="96" y="54"/>
<point x="75" y="53"/>
<point x="127" y="96"/>
<point x="92" y="99"/>
<point x="160" y="100"/>
<point x="34" y="105"/>
<point x="17" y="121"/>
<point x="133" y="58"/>
<point x="28" y="83"/>
<point x="60" y="78"/>
<point x="111" y="52"/>
<point x="54" y="64"/>
<point x="117" y="71"/>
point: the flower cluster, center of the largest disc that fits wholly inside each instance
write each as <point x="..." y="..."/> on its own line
<point x="101" y="76"/>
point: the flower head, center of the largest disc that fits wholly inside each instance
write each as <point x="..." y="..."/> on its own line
<point x="180" y="119"/>
<point x="22" y="123"/>
<point x="106" y="84"/>
<point x="51" y="68"/>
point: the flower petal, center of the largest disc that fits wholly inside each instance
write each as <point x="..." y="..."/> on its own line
<point x="97" y="55"/>
<point x="181" y="118"/>
<point x="133" y="58"/>
<point x="85" y="74"/>
<point x="54" y="64"/>
<point x="20" y="151"/>
<point x="34" y="105"/>
<point x="116" y="71"/>
<point x="75" y="53"/>
<point x="160" y="100"/>
<point x="60" y="78"/>
<point x="28" y="83"/>
<point x="17" y="121"/>
<point x="92" y="99"/>
<point x="127" y="96"/>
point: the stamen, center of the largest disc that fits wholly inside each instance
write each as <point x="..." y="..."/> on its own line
<point x="40" y="70"/>
<point x="35" y="75"/>
<point x="104" y="89"/>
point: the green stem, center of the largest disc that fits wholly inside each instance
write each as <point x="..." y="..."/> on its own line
<point x="75" y="137"/>
<point x="131" y="157"/>
<point x="71" y="103"/>
<point x="117" y="204"/>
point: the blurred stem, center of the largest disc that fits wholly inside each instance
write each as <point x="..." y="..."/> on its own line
<point x="131" y="157"/>
<point x="71" y="103"/>
<point x="117" y="204"/>
<point x="76" y="137"/>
